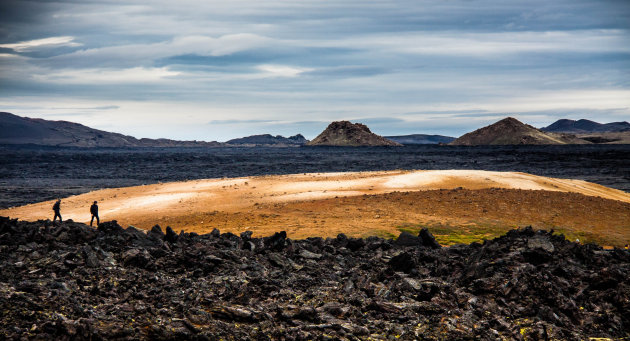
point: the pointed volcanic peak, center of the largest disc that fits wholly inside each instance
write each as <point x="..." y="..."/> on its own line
<point x="585" y="126"/>
<point x="510" y="131"/>
<point x="347" y="134"/>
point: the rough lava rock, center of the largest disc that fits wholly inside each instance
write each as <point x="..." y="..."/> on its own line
<point x="72" y="282"/>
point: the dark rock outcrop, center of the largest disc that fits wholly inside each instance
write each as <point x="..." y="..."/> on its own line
<point x="345" y="133"/>
<point x="428" y="240"/>
<point x="510" y="131"/>
<point x="69" y="281"/>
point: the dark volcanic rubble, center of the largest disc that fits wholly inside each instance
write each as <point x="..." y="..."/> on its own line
<point x="74" y="282"/>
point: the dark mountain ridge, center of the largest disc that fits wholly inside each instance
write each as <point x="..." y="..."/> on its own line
<point x="17" y="130"/>
<point x="420" y="139"/>
<point x="23" y="130"/>
<point x="269" y="140"/>
<point x="585" y="126"/>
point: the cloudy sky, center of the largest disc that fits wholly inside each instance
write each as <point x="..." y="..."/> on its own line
<point x="215" y="70"/>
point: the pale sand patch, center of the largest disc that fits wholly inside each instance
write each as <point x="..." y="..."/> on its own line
<point x="147" y="205"/>
<point x="339" y="185"/>
<point x="469" y="179"/>
<point x="313" y="195"/>
<point x="153" y="200"/>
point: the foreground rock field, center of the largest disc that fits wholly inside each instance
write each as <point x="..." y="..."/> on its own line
<point x="71" y="281"/>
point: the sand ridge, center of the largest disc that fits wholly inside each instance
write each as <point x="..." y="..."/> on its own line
<point x="236" y="204"/>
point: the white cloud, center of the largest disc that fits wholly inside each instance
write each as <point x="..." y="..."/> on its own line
<point x="282" y="70"/>
<point x="562" y="100"/>
<point x="222" y="46"/>
<point x="93" y="76"/>
<point x="31" y="45"/>
<point x="134" y="54"/>
<point x="489" y="44"/>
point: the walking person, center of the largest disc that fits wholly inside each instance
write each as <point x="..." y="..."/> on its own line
<point x="94" y="211"/>
<point x="57" y="209"/>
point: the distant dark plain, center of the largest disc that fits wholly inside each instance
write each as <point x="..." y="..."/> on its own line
<point x="34" y="174"/>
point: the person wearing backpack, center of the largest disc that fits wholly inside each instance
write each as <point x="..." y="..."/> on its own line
<point x="94" y="211"/>
<point x="57" y="208"/>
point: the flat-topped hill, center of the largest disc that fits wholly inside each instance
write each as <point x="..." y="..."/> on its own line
<point x="347" y="134"/>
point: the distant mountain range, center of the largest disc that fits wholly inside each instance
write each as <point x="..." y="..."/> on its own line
<point x="23" y="130"/>
<point x="585" y="126"/>
<point x="510" y="131"/>
<point x="421" y="139"/>
<point x="347" y="134"/>
<point x="268" y="139"/>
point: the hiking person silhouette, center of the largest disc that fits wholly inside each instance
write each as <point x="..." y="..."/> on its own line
<point x="94" y="211"/>
<point x="57" y="208"/>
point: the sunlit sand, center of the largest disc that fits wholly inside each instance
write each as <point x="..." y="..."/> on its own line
<point x="311" y="204"/>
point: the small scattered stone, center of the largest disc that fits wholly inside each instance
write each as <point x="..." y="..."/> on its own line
<point x="309" y="255"/>
<point x="540" y="243"/>
<point x="246" y="236"/>
<point x="403" y="262"/>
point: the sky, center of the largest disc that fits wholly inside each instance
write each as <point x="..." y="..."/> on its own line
<point x="216" y="70"/>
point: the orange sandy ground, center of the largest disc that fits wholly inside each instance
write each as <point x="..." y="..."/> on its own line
<point x="458" y="206"/>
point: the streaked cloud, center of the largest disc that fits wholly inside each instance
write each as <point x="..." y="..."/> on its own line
<point x="282" y="70"/>
<point x="91" y="76"/>
<point x="104" y="107"/>
<point x="147" y="53"/>
<point x="219" y="122"/>
<point x="25" y="46"/>
<point x="485" y="44"/>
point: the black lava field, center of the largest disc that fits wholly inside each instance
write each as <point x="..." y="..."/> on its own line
<point x="33" y="174"/>
<point x="73" y="282"/>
